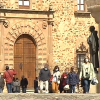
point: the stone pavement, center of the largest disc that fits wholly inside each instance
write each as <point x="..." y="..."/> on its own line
<point x="52" y="96"/>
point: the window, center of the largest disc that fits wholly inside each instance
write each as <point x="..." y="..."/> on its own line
<point x="81" y="52"/>
<point x="81" y="5"/>
<point x="24" y="4"/>
<point x="80" y="59"/>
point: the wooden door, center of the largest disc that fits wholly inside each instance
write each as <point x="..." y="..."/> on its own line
<point x="25" y="58"/>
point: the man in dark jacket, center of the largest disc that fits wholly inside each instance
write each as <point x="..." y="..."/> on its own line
<point x="2" y="83"/>
<point x="24" y="83"/>
<point x="44" y="77"/>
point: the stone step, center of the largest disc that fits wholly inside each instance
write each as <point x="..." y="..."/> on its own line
<point x="52" y="96"/>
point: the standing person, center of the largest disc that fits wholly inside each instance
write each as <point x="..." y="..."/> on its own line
<point x="72" y="80"/>
<point x="56" y="80"/>
<point x="50" y="84"/>
<point x="13" y="90"/>
<point x="86" y="74"/>
<point x="23" y="84"/>
<point x="2" y="83"/>
<point x="93" y="42"/>
<point x="8" y="75"/>
<point x="16" y="86"/>
<point x="63" y="80"/>
<point x="44" y="77"/>
<point x="36" y="85"/>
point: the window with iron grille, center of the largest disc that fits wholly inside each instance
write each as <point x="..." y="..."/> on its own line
<point x="81" y="5"/>
<point x="24" y="4"/>
<point x="80" y="59"/>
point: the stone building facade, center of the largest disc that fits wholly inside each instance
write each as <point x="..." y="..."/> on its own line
<point x="56" y="28"/>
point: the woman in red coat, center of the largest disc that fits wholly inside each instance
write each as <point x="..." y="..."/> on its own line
<point x="63" y="80"/>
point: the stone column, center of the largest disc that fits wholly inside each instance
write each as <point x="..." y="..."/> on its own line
<point x="1" y="45"/>
<point x="50" y="38"/>
<point x="50" y="44"/>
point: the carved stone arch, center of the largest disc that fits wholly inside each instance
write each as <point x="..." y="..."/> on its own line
<point x="32" y="29"/>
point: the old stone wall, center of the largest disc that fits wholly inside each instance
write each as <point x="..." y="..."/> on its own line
<point x="68" y="31"/>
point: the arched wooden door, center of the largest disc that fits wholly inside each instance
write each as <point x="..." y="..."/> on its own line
<point x="25" y="58"/>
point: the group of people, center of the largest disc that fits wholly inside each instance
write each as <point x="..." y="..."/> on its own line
<point x="48" y="83"/>
<point x="13" y="84"/>
<point x="17" y="84"/>
<point x="57" y="81"/>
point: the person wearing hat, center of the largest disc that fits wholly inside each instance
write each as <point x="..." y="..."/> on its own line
<point x="8" y="76"/>
<point x="2" y="83"/>
<point x="44" y="77"/>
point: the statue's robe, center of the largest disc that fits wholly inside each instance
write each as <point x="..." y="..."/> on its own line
<point x="93" y="42"/>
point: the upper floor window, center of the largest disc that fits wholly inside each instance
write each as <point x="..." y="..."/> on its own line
<point x="81" y="5"/>
<point x="24" y="4"/>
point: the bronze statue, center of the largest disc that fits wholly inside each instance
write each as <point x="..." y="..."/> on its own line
<point x="93" y="42"/>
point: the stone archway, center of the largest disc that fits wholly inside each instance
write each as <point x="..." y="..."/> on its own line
<point x="25" y="27"/>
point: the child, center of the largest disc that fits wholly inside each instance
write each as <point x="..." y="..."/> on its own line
<point x="13" y="84"/>
<point x="24" y="83"/>
<point x="16" y="86"/>
<point x="36" y="85"/>
<point x="72" y="80"/>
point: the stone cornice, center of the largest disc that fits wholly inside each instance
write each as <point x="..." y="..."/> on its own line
<point x="25" y="11"/>
<point x="77" y="13"/>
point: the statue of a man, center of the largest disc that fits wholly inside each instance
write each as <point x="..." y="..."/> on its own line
<point x="93" y="42"/>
